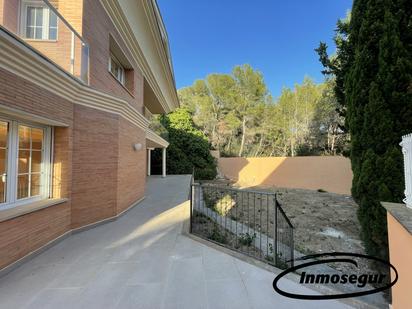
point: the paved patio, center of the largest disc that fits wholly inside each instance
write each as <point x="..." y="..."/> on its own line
<point x="142" y="260"/>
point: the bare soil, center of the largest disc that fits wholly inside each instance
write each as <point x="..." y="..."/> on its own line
<point x="323" y="221"/>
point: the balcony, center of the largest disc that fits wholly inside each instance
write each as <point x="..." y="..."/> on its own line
<point x="39" y="25"/>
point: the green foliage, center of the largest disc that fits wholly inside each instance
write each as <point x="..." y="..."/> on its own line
<point x="240" y="118"/>
<point x="189" y="148"/>
<point x="246" y="239"/>
<point x="373" y="71"/>
<point x="220" y="204"/>
<point x="279" y="263"/>
<point x="217" y="236"/>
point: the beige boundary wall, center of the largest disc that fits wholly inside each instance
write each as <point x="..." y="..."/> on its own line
<point x="332" y="174"/>
<point x="400" y="252"/>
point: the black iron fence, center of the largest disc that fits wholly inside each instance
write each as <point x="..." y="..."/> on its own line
<point x="251" y="222"/>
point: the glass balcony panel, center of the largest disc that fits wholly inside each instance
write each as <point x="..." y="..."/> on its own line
<point x="44" y="29"/>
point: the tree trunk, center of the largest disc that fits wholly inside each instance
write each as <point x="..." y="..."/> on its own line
<point x="260" y="146"/>
<point x="332" y="148"/>
<point x="242" y="144"/>
<point x="328" y="138"/>
<point x="229" y="144"/>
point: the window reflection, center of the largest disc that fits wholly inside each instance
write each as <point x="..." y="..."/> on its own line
<point x="29" y="161"/>
<point x="4" y="128"/>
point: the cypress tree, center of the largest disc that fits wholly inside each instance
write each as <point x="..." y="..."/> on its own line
<point x="375" y="65"/>
<point x="378" y="97"/>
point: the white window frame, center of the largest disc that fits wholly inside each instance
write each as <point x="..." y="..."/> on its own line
<point x="122" y="78"/>
<point x="46" y="20"/>
<point x="12" y="164"/>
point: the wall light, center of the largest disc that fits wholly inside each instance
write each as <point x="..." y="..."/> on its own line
<point x="137" y="147"/>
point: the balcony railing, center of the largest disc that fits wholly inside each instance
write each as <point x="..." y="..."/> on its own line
<point x="41" y="26"/>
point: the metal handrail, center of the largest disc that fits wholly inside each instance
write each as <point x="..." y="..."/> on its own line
<point x="283" y="213"/>
<point x="249" y="221"/>
<point x="55" y="11"/>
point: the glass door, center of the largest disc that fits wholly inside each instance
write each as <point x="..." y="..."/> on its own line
<point x="4" y="129"/>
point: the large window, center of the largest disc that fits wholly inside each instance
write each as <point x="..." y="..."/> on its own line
<point x="24" y="162"/>
<point x="38" y="21"/>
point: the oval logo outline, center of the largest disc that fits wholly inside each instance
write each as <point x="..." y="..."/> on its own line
<point x="334" y="260"/>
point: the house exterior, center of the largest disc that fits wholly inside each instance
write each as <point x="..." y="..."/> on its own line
<point x="79" y="83"/>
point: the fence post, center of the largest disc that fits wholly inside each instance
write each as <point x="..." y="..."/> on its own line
<point x="191" y="208"/>
<point x="292" y="248"/>
<point x="275" y="236"/>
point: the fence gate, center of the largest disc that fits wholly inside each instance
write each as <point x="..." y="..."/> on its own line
<point x="251" y="222"/>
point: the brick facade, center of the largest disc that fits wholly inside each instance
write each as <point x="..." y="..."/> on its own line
<point x="131" y="166"/>
<point x="97" y="32"/>
<point x="95" y="165"/>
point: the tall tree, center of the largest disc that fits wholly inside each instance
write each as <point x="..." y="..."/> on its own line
<point x="251" y="90"/>
<point x="374" y="77"/>
<point x="239" y="117"/>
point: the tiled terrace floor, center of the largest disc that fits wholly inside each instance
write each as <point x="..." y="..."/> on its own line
<point x="143" y="261"/>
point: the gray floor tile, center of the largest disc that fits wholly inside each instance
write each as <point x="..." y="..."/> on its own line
<point x="143" y="261"/>
<point x="218" y="265"/>
<point x="224" y="294"/>
<point x="55" y="298"/>
<point x="186" y="285"/>
<point x="144" y="296"/>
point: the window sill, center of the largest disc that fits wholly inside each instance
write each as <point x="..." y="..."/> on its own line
<point x="11" y="213"/>
<point x="40" y="40"/>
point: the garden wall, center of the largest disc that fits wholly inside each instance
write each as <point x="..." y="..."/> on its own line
<point x="332" y="174"/>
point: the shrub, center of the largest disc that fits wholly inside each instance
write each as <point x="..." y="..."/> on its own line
<point x="246" y="239"/>
<point x="188" y="147"/>
<point x="221" y="205"/>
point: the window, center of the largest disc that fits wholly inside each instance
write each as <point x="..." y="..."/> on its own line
<point x="117" y="69"/>
<point x="38" y="21"/>
<point x="24" y="162"/>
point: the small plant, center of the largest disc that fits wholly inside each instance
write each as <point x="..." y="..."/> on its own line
<point x="200" y="218"/>
<point x="217" y="236"/>
<point x="209" y="201"/>
<point x="270" y="249"/>
<point x="269" y="258"/>
<point x="279" y="262"/>
<point x="222" y="205"/>
<point x="246" y="239"/>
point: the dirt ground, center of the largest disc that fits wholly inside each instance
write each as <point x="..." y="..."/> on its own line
<point x="323" y="221"/>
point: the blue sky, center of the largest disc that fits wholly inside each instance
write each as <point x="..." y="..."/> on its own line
<point x="276" y="37"/>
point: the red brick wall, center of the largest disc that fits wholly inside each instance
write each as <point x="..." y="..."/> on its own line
<point x="96" y="31"/>
<point x="95" y="156"/>
<point x="21" y="235"/>
<point x="95" y="165"/>
<point x="27" y="233"/>
<point x="58" y="51"/>
<point x="9" y="13"/>
<point x="18" y="93"/>
<point x="131" y="166"/>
